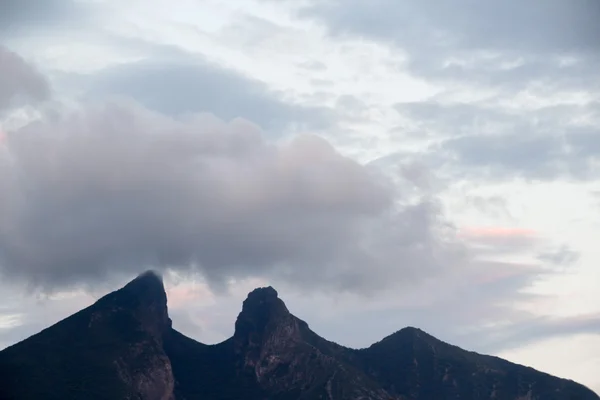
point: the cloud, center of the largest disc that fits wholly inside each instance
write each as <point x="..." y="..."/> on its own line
<point x="19" y="81"/>
<point x="531" y="147"/>
<point x="500" y="240"/>
<point x="511" y="40"/>
<point x="534" y="329"/>
<point x="530" y="155"/>
<point x="19" y="17"/>
<point x="521" y="89"/>
<point x="477" y="309"/>
<point x="542" y="26"/>
<point x="120" y="188"/>
<point x="494" y="205"/>
<point x="488" y="140"/>
<point x="176" y="83"/>
<point x="562" y="256"/>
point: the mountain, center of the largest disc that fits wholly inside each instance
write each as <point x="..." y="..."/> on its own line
<point x="110" y="350"/>
<point x="124" y="347"/>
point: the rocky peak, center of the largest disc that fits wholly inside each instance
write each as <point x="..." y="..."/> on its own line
<point x="407" y="340"/>
<point x="263" y="316"/>
<point x="261" y="308"/>
<point x="263" y="293"/>
<point x="147" y="287"/>
<point x="145" y="298"/>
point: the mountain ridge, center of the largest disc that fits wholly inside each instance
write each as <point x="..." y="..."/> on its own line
<point x="124" y="347"/>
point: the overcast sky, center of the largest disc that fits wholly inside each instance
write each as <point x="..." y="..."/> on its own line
<point x="382" y="164"/>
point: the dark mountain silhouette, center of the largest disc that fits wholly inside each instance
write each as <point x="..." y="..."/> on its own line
<point x="124" y="347"/>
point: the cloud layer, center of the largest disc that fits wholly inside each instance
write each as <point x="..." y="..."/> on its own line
<point x="176" y="83"/>
<point x="449" y="38"/>
<point x="117" y="187"/>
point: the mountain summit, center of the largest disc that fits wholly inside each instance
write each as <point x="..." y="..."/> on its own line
<point x="147" y="283"/>
<point x="124" y="347"/>
<point x="262" y="310"/>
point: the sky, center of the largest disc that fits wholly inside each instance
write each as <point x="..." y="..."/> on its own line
<point x="382" y="164"/>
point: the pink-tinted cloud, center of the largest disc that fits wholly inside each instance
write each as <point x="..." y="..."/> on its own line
<point x="501" y="243"/>
<point x="500" y="240"/>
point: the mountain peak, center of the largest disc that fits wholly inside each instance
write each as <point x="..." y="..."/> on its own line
<point x="405" y="336"/>
<point x="145" y="297"/>
<point x="261" y="308"/>
<point x="263" y="300"/>
<point x="263" y="293"/>
<point x="149" y="277"/>
<point x="146" y="287"/>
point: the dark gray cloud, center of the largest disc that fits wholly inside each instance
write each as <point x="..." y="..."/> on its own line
<point x="534" y="329"/>
<point x="525" y="153"/>
<point x="500" y="42"/>
<point x="443" y="120"/>
<point x="562" y="256"/>
<point x="511" y="50"/>
<point x="19" y="81"/>
<point x="585" y="142"/>
<point x="541" y="26"/>
<point x="182" y="84"/>
<point x="24" y="17"/>
<point x="119" y="188"/>
<point x="513" y="154"/>
<point x="489" y="141"/>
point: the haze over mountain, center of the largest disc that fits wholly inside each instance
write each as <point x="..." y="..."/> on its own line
<point x="125" y="347"/>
